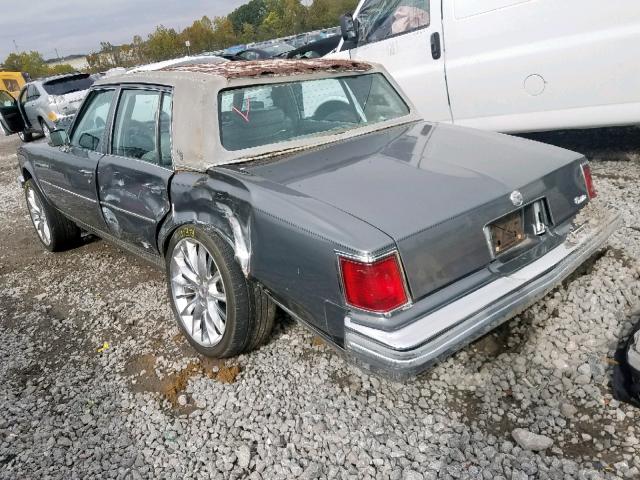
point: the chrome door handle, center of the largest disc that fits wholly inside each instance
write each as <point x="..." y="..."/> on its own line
<point x="86" y="173"/>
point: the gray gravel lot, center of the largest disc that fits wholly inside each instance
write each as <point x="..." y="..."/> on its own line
<point x="96" y="381"/>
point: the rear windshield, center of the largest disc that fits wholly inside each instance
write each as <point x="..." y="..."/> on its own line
<point x="65" y="85"/>
<point x="267" y="114"/>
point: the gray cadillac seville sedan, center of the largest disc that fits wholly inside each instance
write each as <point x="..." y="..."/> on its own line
<point x="314" y="186"/>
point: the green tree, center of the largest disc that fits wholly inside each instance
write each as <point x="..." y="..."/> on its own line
<point x="252" y="13"/>
<point x="33" y="64"/>
<point x="223" y="33"/>
<point x="200" y="34"/>
<point x="164" y="43"/>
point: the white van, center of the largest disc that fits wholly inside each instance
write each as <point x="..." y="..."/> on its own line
<point x="506" y="65"/>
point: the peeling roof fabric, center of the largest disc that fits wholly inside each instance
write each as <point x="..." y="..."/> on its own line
<point x="273" y="68"/>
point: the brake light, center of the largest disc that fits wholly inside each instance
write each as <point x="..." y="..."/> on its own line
<point x="588" y="181"/>
<point x="376" y="286"/>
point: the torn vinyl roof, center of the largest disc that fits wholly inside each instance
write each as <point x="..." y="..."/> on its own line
<point x="273" y="68"/>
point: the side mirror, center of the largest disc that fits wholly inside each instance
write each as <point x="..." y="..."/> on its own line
<point x="58" y="138"/>
<point x="348" y="28"/>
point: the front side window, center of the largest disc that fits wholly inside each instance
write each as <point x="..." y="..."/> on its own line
<point x="134" y="135"/>
<point x="268" y="114"/>
<point x="382" y="19"/>
<point x="90" y="126"/>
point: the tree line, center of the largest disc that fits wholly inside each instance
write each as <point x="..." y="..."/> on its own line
<point x="254" y="21"/>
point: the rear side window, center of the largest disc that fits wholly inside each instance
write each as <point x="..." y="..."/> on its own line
<point x="134" y="135"/>
<point x="63" y="86"/>
<point x="382" y="19"/>
<point x="269" y="114"/>
<point x="90" y="126"/>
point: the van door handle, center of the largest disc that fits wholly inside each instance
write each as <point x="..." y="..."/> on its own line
<point x="436" y="50"/>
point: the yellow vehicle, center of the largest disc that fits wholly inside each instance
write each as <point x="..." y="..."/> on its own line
<point x="13" y="82"/>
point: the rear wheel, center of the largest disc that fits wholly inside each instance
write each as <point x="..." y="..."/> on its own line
<point x="54" y="230"/>
<point x="221" y="313"/>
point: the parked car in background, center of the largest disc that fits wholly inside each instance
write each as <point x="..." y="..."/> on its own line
<point x="49" y="103"/>
<point x="506" y="65"/>
<point x="186" y="60"/>
<point x="13" y="82"/>
<point x="314" y="185"/>
<point x="263" y="52"/>
<point x="316" y="49"/>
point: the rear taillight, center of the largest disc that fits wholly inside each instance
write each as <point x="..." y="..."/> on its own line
<point x="588" y="181"/>
<point x="376" y="286"/>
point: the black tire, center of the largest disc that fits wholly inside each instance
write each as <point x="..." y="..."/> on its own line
<point x="46" y="131"/>
<point x="25" y="136"/>
<point x="63" y="232"/>
<point x="249" y="312"/>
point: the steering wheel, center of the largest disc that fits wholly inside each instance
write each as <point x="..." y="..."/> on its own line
<point x="335" y="111"/>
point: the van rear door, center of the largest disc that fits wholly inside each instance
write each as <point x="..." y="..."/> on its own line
<point x="406" y="37"/>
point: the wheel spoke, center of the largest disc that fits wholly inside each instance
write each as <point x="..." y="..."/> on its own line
<point x="202" y="262"/>
<point x="214" y="314"/>
<point x="190" y="307"/>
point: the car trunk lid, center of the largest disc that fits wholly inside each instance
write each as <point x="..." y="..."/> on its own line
<point x="432" y="189"/>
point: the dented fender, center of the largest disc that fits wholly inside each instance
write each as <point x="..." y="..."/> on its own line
<point x="211" y="204"/>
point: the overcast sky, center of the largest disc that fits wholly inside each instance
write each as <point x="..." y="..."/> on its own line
<point x="78" y="26"/>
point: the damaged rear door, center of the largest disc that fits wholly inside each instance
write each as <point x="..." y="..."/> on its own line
<point x="133" y="177"/>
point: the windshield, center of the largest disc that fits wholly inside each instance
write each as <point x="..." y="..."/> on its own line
<point x="267" y="114"/>
<point x="62" y="86"/>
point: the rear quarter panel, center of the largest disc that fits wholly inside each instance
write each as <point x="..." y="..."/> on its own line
<point x="291" y="239"/>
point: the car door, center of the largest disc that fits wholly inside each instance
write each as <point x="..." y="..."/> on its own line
<point x="67" y="174"/>
<point x="11" y="119"/>
<point x="405" y="36"/>
<point x="133" y="177"/>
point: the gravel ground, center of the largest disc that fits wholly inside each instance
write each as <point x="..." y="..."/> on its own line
<point x="98" y="383"/>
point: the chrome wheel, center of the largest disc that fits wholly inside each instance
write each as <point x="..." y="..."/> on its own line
<point x="198" y="292"/>
<point x="38" y="216"/>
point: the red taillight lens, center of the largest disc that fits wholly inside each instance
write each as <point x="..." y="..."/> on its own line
<point x="588" y="180"/>
<point x="377" y="286"/>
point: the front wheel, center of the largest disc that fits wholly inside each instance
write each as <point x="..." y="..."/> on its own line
<point x="221" y="313"/>
<point x="25" y="136"/>
<point x="54" y="230"/>
<point x="46" y="131"/>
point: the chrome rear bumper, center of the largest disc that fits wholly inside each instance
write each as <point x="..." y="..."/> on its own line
<point x="417" y="346"/>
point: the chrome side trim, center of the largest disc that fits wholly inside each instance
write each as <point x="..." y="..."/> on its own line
<point x="433" y="337"/>
<point x="127" y="212"/>
<point x="91" y="200"/>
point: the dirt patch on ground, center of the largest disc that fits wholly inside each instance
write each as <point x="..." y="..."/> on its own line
<point x="142" y="370"/>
